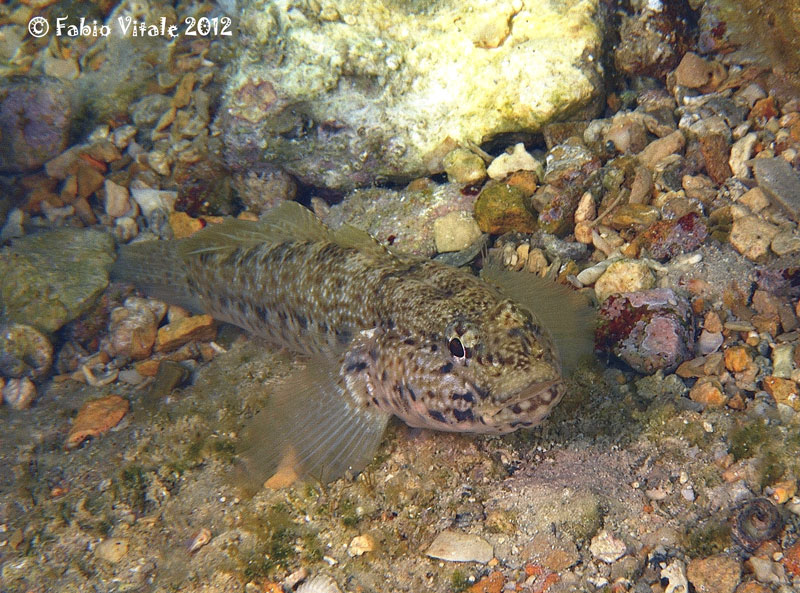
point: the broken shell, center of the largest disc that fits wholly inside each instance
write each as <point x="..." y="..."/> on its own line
<point x="19" y="393"/>
<point x="198" y="541"/>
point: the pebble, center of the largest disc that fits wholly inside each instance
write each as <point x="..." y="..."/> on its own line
<point x="464" y="166"/>
<point x="715" y="574"/>
<point x="650" y="330"/>
<point x="751" y="236"/>
<point x="709" y="342"/>
<point x="675" y="575"/>
<point x="455" y="231"/>
<point x="590" y="275"/>
<point x="741" y="153"/>
<point x="117" y="201"/>
<point x="661" y="148"/>
<point x="183" y="225"/>
<point x="737" y="358"/>
<point x="460" y="547"/>
<point x="132" y="332"/>
<point x="112" y="549"/>
<point x="501" y="208"/>
<point x="784" y="391"/>
<point x="95" y="418"/>
<point x="785" y="242"/>
<point x="782" y="360"/>
<point x="607" y="547"/>
<point x="360" y="545"/>
<point x="150" y="200"/>
<point x="767" y="571"/>
<point x="624" y="276"/>
<point x="182" y="331"/>
<point x="693" y="71"/>
<point x="780" y="182"/>
<point x="708" y="392"/>
<point x="19" y="393"/>
<point x="517" y="160"/>
<point x="24" y="350"/>
<point x="755" y="199"/>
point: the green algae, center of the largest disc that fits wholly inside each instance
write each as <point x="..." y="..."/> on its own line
<point x="709" y="537"/>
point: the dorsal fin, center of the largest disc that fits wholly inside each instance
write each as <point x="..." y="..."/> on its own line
<point x="348" y="236"/>
<point x="288" y="221"/>
<point x="565" y="313"/>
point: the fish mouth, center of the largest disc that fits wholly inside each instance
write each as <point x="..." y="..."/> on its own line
<point x="526" y="408"/>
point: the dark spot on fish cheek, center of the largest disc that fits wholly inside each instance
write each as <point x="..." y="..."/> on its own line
<point x="463" y="415"/>
<point x="446" y="368"/>
<point x="436" y="415"/>
<point x="356" y="367"/>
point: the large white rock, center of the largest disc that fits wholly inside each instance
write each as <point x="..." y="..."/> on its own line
<point x="343" y="93"/>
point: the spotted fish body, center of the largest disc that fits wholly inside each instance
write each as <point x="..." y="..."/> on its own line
<point x="386" y="335"/>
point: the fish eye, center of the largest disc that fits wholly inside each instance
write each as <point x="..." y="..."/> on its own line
<point x="457" y="348"/>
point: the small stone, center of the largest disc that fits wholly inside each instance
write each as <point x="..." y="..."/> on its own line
<point x="785" y="242"/>
<point x="494" y="582"/>
<point x="675" y="575"/>
<point x="661" y="148"/>
<point x="693" y="71"/>
<point x="464" y="166"/>
<point x="460" y="547"/>
<point x="117" y="199"/>
<point x="715" y="574"/>
<point x="182" y="331"/>
<point x="737" y="359"/>
<point x="455" y="231"/>
<point x="650" y="330"/>
<point x="112" y="550"/>
<point x="183" y="225"/>
<point x="19" y="393"/>
<point x="606" y="547"/>
<point x="24" y="350"/>
<point x="95" y="418"/>
<point x="716" y="152"/>
<point x="755" y="199"/>
<point x="780" y="182"/>
<point x="150" y="200"/>
<point x="709" y="342"/>
<point x="784" y="391"/>
<point x="89" y="179"/>
<point x="633" y="216"/>
<point x="500" y="208"/>
<point x="708" y="392"/>
<point x="518" y="160"/>
<point x="791" y="560"/>
<point x="132" y="332"/>
<point x="624" y="276"/>
<point x="783" y="491"/>
<point x="751" y="236"/>
<point x="586" y="209"/>
<point x="712" y="322"/>
<point x="741" y="152"/>
<point x="360" y="545"/>
<point x="782" y="363"/>
<point x="767" y="571"/>
<point x="752" y="587"/>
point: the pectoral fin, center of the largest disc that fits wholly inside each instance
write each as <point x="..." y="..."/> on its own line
<point x="311" y="427"/>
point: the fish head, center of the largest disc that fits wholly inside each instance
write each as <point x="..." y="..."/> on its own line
<point x="490" y="373"/>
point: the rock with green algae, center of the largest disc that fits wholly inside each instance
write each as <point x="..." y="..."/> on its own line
<point x="500" y="208"/>
<point x="765" y="30"/>
<point x="361" y="90"/>
<point x="51" y="278"/>
<point x="403" y="219"/>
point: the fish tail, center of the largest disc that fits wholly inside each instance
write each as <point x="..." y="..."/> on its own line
<point x="156" y="268"/>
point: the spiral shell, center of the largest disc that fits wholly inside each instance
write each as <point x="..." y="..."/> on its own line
<point x="755" y="522"/>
